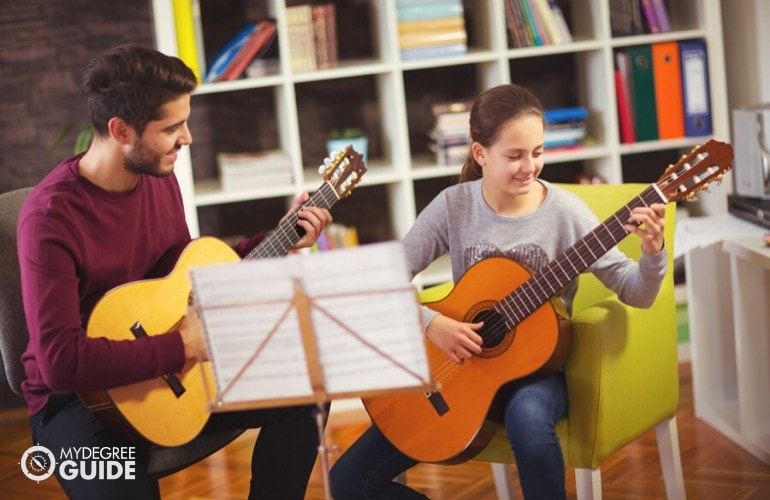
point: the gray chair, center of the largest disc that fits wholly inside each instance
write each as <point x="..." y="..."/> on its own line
<point x="14" y="337"/>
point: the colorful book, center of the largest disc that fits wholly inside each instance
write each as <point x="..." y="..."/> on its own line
<point x="446" y="31"/>
<point x="299" y="20"/>
<point x="668" y="89"/>
<point x="186" y="43"/>
<point x="422" y="11"/>
<point x="549" y="22"/>
<point x="514" y="19"/>
<point x="325" y="35"/>
<point x="695" y="88"/>
<point x="257" y="44"/>
<point x="625" y="121"/>
<point x="646" y="117"/>
<point x="434" y="51"/>
<point x="228" y="52"/>
<point x="623" y="64"/>
<point x="531" y="23"/>
<point x="561" y="22"/>
<point x="661" y="15"/>
<point x="651" y="21"/>
<point x="560" y="115"/>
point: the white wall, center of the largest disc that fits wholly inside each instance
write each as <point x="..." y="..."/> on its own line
<point x="746" y="30"/>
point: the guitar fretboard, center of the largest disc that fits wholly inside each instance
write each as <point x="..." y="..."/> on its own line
<point x="560" y="272"/>
<point x="278" y="242"/>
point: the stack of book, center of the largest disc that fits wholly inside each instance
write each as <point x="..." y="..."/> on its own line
<point x="312" y="36"/>
<point x="635" y="17"/>
<point x="254" y="170"/>
<point x="535" y="22"/>
<point x="431" y="28"/>
<point x="451" y="132"/>
<point x="251" y="42"/>
<point x="565" y="128"/>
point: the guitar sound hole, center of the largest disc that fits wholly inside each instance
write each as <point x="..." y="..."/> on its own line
<point x="494" y="330"/>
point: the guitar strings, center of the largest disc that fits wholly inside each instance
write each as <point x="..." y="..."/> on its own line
<point x="285" y="231"/>
<point x="563" y="270"/>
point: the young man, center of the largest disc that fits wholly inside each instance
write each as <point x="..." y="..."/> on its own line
<point x="105" y="218"/>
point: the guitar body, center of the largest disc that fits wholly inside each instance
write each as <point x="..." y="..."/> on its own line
<point x="149" y="412"/>
<point x="411" y="421"/>
<point x="171" y="410"/>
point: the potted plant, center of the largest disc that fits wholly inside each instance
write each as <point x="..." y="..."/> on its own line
<point x="82" y="140"/>
<point x="340" y="138"/>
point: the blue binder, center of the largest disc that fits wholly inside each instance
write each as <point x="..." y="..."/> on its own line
<point x="695" y="88"/>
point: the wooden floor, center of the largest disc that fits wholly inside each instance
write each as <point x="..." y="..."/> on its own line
<point x="714" y="467"/>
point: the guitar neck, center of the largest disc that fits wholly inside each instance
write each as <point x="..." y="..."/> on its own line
<point x="278" y="242"/>
<point x="560" y="272"/>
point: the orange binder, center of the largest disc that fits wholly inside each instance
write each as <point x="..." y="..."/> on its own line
<point x="668" y="89"/>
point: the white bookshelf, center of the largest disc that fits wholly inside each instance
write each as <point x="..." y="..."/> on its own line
<point x="400" y="168"/>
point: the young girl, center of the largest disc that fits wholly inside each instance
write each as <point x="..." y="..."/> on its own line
<point x="500" y="207"/>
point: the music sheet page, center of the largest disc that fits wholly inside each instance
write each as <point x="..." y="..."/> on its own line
<point x="366" y="323"/>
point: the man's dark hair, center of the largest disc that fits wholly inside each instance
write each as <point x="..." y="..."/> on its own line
<point x="133" y="82"/>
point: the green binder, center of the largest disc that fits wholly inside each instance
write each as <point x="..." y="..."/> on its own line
<point x="646" y="119"/>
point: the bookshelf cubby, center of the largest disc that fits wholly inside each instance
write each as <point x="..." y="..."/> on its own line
<point x="390" y="100"/>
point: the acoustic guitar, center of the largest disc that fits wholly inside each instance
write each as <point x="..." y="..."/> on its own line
<point x="171" y="410"/>
<point x="521" y="333"/>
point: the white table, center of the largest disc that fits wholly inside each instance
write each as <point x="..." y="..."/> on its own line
<point x="728" y="297"/>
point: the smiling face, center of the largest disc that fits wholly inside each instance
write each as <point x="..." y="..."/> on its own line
<point x="156" y="150"/>
<point x="513" y="161"/>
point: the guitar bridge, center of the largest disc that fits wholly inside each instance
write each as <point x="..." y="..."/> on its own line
<point x="171" y="379"/>
<point x="438" y="402"/>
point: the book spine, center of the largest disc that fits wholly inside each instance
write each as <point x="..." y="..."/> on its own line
<point x="620" y="18"/>
<point x="695" y="85"/>
<point x="558" y="115"/>
<point x="226" y="55"/>
<point x="258" y="41"/>
<point x="517" y="25"/>
<point x="414" y="34"/>
<point x="661" y="14"/>
<point x="433" y="51"/>
<point x="625" y="121"/>
<point x="422" y="12"/>
<point x="531" y="24"/>
<point x="549" y="22"/>
<point x="644" y="93"/>
<point x="561" y="22"/>
<point x="653" y="26"/>
<point x="185" y="35"/>
<point x="668" y="89"/>
<point x="301" y="44"/>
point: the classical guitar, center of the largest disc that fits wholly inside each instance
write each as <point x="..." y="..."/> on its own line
<point x="171" y="410"/>
<point x="521" y="333"/>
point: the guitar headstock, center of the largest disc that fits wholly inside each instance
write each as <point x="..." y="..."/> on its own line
<point x="696" y="170"/>
<point x="343" y="171"/>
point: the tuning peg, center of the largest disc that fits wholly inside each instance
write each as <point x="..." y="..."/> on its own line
<point x="321" y="169"/>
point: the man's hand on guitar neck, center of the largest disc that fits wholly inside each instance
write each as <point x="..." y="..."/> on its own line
<point x="311" y="219"/>
<point x="192" y="336"/>
<point x="459" y="341"/>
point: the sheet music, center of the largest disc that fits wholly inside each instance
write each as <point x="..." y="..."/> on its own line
<point x="698" y="232"/>
<point x="365" y="316"/>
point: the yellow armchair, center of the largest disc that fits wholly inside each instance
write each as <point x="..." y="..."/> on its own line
<point x="622" y="373"/>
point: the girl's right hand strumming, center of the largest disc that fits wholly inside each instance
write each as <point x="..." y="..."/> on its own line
<point x="458" y="340"/>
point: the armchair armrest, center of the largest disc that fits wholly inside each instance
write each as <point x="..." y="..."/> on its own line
<point x="622" y="376"/>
